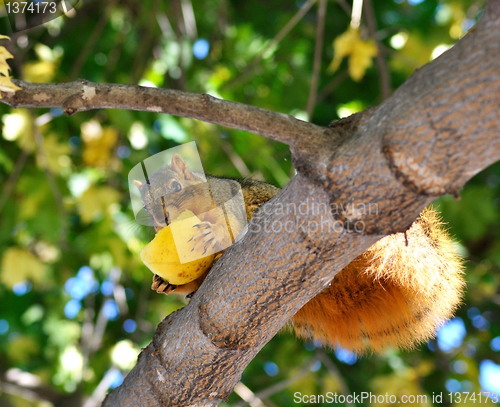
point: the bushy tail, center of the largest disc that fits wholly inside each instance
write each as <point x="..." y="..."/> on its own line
<point x="397" y="293"/>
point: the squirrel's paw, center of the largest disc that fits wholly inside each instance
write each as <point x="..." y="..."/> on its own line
<point x="164" y="287"/>
<point x="210" y="237"/>
<point x="161" y="286"/>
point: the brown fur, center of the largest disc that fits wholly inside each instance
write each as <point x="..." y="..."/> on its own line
<point x="394" y="294"/>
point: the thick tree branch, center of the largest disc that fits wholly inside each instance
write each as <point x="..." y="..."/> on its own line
<point x="82" y="95"/>
<point x="432" y="135"/>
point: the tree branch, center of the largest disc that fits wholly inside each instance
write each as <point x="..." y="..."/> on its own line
<point x="383" y="69"/>
<point x="11" y="182"/>
<point x="92" y="41"/>
<point x="82" y="95"/>
<point x="249" y="70"/>
<point x="318" y="48"/>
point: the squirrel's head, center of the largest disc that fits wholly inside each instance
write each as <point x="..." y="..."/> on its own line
<point x="171" y="190"/>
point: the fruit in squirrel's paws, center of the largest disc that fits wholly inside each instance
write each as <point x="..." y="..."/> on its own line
<point x="161" y="255"/>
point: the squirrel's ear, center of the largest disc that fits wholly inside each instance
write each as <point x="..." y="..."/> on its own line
<point x="181" y="168"/>
<point x="138" y="184"/>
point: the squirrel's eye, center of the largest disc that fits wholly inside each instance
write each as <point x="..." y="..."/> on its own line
<point x="175" y="186"/>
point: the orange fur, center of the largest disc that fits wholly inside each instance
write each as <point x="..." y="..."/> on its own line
<point x="392" y="294"/>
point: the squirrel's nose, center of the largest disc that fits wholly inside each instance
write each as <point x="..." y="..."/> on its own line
<point x="158" y="224"/>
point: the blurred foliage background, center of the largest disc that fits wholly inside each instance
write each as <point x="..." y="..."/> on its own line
<point x="75" y="299"/>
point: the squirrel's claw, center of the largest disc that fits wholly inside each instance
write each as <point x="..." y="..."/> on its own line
<point x="161" y="286"/>
<point x="206" y="237"/>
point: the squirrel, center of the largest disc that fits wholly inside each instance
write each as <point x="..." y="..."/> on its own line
<point x="396" y="293"/>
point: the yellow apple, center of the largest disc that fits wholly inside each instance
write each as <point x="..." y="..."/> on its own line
<point x="176" y="260"/>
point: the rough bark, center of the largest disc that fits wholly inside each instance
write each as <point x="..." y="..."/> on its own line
<point x="431" y="136"/>
<point x="82" y="95"/>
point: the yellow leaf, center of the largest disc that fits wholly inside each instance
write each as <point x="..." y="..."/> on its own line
<point x="4" y="55"/>
<point x="98" y="143"/>
<point x="118" y="250"/>
<point x="30" y="204"/>
<point x="53" y="151"/>
<point x="124" y="354"/>
<point x="359" y="52"/>
<point x="6" y="84"/>
<point x="220" y="75"/>
<point x="343" y="46"/>
<point x="40" y="71"/>
<point x="402" y="384"/>
<point x="361" y="58"/>
<point x="18" y="126"/>
<point x="45" y="53"/>
<point x="4" y="70"/>
<point x="97" y="201"/>
<point x="19" y="264"/>
<point x="22" y="348"/>
<point x="4" y="66"/>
